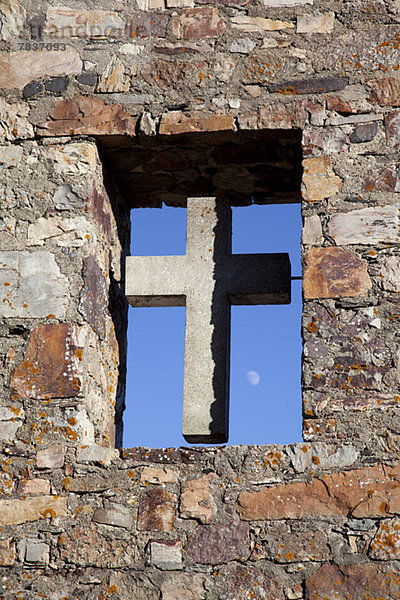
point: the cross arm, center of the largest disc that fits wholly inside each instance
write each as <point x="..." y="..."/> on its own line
<point x="258" y="278"/>
<point x="155" y="280"/>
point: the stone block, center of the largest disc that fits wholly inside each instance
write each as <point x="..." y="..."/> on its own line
<point x="52" y="367"/>
<point x="334" y="273"/>
<point x="197" y="501"/>
<point x="34" y="487"/>
<point x="58" y="85"/>
<point x="246" y="582"/>
<point x="67" y="22"/>
<point x="290" y="547"/>
<point x="67" y="233"/>
<point x="366" y="225"/>
<point x="392" y="124"/>
<point x="312" y="231"/>
<point x="346" y="581"/>
<point x="51" y="457"/>
<point x="245" y="23"/>
<point x="20" y="67"/>
<point x="284" y="3"/>
<point x="176" y="122"/>
<point x="156" y="511"/>
<point x="312" y="85"/>
<point x="364" y="133"/>
<point x="14" y="124"/>
<point x="7" y="552"/>
<point x="36" y="552"/>
<point x="321" y="456"/>
<point x="114" y="79"/>
<point x="242" y="46"/>
<point x="33" y="285"/>
<point x="166" y="555"/>
<point x="97" y="454"/>
<point x="289" y="115"/>
<point x="77" y="158"/>
<point x="330" y="140"/>
<point x="385" y="91"/>
<point x="94" y="296"/>
<point x="10" y="156"/>
<point x="316" y="23"/>
<point x="8" y="430"/>
<point x="12" y="18"/>
<point x="158" y="475"/>
<point x="319" y="180"/>
<point x="218" y="544"/>
<point x="145" y="25"/>
<point x="87" y="116"/>
<point x="116" y="516"/>
<point x="65" y="198"/>
<point x="386" y="542"/>
<point x="166" y="75"/>
<point x="391" y="274"/>
<point x="183" y="586"/>
<point x="202" y="23"/>
<point x="14" y="512"/>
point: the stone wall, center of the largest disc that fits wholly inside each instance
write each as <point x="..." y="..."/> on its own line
<point x="107" y="106"/>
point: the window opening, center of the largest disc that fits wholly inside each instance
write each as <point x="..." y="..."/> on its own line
<point x="265" y="394"/>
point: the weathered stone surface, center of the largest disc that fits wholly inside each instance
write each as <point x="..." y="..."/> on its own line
<point x="242" y="46"/>
<point x="385" y="91"/>
<point x="116" y="516"/>
<point x="319" y="180"/>
<point x="321" y="456"/>
<point x="7" y="552"/>
<point x="96" y="453"/>
<point x="183" y="586"/>
<point x="10" y="156"/>
<point x="156" y="511"/>
<point x="114" y="79"/>
<point x="297" y="547"/>
<point x="197" y="501"/>
<point x="14" y="123"/>
<point x="364" y="133"/>
<point x="8" y="429"/>
<point x="67" y="22"/>
<point x="363" y="493"/>
<point x="88" y="116"/>
<point x="366" y="225"/>
<point x="33" y="285"/>
<point x="334" y="273"/>
<point x="377" y="50"/>
<point x="85" y="546"/>
<point x="332" y="582"/>
<point x="67" y="233"/>
<point x="391" y="274"/>
<point x="57" y="85"/>
<point x="65" y="198"/>
<point x="386" y="543"/>
<point x="316" y="23"/>
<point x="36" y="552"/>
<point x="34" y="487"/>
<point x="94" y="296"/>
<point x="201" y="23"/>
<point x="286" y="116"/>
<point x="312" y="230"/>
<point x="20" y="67"/>
<point x="330" y="140"/>
<point x="51" y="457"/>
<point x="217" y="544"/>
<point x="166" y="74"/>
<point x="175" y="122"/>
<point x="158" y="475"/>
<point x="351" y="119"/>
<point x="51" y="366"/>
<point x="283" y="3"/>
<point x="14" y="512"/>
<point x="148" y="25"/>
<point x="392" y="124"/>
<point x="12" y="18"/>
<point x="166" y="555"/>
<point x="313" y="85"/>
<point x="72" y="159"/>
<point x="248" y="582"/>
<point x="246" y="23"/>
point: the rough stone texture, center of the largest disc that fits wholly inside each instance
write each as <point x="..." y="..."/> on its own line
<point x="319" y="179"/>
<point x="50" y="366"/>
<point x="217" y="544"/>
<point x="108" y="107"/>
<point x="334" y="273"/>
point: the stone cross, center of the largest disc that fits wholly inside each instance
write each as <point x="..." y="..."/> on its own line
<point x="207" y="280"/>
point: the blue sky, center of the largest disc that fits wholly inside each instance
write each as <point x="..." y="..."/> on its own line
<point x="265" y="396"/>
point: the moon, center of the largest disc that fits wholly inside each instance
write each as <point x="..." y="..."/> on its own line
<point x="253" y="377"/>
